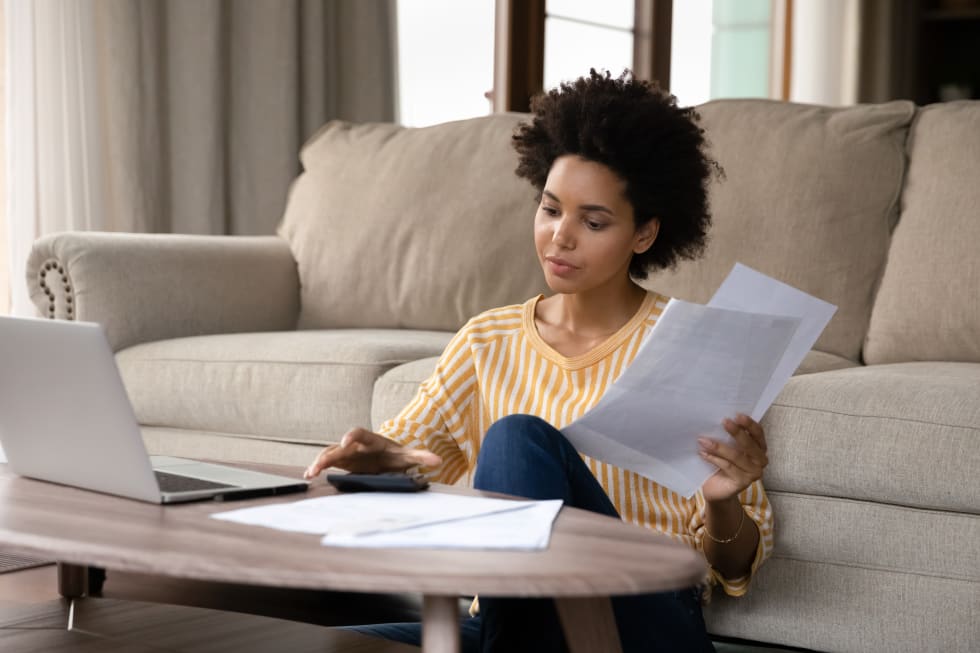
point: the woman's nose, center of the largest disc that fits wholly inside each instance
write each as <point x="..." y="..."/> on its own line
<point x="562" y="235"/>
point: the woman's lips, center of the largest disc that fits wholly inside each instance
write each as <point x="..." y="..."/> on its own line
<point x="560" y="267"/>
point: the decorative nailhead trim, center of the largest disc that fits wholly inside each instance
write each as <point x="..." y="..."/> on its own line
<point x="52" y="267"/>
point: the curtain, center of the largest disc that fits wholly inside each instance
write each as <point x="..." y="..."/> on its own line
<point x="824" y="68"/>
<point x="184" y="116"/>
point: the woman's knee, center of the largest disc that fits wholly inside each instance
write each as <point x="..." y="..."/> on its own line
<point x="515" y="432"/>
<point x="519" y="423"/>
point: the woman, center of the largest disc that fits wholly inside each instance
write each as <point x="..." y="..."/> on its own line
<point x="622" y="176"/>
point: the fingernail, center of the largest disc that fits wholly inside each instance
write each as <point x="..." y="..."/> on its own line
<point x="704" y="442"/>
<point x="344" y="441"/>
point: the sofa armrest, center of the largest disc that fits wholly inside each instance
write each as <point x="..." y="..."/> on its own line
<point x="144" y="287"/>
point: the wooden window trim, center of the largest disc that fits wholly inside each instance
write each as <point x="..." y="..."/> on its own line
<point x="781" y="50"/>
<point x="518" y="53"/>
<point x="652" y="26"/>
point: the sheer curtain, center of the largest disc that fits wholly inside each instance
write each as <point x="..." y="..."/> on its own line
<point x="182" y="116"/>
<point x="825" y="61"/>
<point x="4" y="237"/>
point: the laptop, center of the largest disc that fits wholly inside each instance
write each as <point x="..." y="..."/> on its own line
<point x="65" y="418"/>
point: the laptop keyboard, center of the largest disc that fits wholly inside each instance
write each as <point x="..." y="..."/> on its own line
<point x="177" y="483"/>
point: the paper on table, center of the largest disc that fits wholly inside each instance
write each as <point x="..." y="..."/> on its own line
<point x="698" y="366"/>
<point x="357" y="514"/>
<point x="527" y="529"/>
<point x="745" y="289"/>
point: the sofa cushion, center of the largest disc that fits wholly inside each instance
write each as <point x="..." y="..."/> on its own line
<point x="820" y="361"/>
<point x="809" y="197"/>
<point x="904" y="434"/>
<point x="407" y="227"/>
<point x="303" y="386"/>
<point x="396" y="388"/>
<point x="928" y="307"/>
<point x="831" y="530"/>
<point x="849" y="607"/>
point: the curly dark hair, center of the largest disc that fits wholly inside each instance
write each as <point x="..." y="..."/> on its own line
<point x="639" y="132"/>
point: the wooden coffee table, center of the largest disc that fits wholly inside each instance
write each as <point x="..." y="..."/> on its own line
<point x="591" y="557"/>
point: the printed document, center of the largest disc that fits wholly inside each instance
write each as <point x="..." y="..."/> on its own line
<point x="525" y="529"/>
<point x="699" y="365"/>
<point x="746" y="289"/>
<point x="418" y="519"/>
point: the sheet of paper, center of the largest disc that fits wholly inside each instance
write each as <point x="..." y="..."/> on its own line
<point x="528" y="529"/>
<point x="746" y="289"/>
<point x="361" y="513"/>
<point x="699" y="365"/>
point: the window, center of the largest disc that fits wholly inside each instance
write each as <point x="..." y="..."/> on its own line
<point x="445" y="60"/>
<point x="541" y="43"/>
<point x="721" y="49"/>
<point x="581" y="34"/>
<point x="698" y="49"/>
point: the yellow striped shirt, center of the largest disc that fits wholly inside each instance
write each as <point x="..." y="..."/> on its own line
<point x="498" y="365"/>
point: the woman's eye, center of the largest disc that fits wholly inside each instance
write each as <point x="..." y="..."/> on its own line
<point x="594" y="226"/>
<point x="549" y="210"/>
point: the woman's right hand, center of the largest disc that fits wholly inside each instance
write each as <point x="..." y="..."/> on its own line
<point x="363" y="452"/>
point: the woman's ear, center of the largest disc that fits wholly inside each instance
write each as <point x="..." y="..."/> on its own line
<point x="645" y="236"/>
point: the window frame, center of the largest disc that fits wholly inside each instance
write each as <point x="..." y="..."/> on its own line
<point x="519" y="48"/>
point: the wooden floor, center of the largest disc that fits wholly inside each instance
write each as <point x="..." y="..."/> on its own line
<point x="97" y="625"/>
<point x="39" y="585"/>
<point x="140" y="613"/>
<point x="35" y="585"/>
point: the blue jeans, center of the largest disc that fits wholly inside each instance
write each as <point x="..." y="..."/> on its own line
<point x="526" y="456"/>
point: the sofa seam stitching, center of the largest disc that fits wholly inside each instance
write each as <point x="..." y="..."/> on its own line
<point x="894" y="506"/>
<point x="887" y="417"/>
<point x="876" y="568"/>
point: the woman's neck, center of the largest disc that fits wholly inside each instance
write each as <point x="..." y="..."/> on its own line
<point x="593" y="314"/>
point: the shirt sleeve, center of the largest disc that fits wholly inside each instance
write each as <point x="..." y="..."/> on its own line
<point x="756" y="506"/>
<point x="437" y="418"/>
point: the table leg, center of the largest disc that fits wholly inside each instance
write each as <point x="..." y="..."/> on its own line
<point x="440" y="624"/>
<point x="589" y="625"/>
<point x="72" y="580"/>
<point x="96" y="579"/>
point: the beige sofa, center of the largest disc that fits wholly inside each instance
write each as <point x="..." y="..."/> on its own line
<point x="267" y="348"/>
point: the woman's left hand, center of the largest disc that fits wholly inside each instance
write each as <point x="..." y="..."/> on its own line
<point x="739" y="464"/>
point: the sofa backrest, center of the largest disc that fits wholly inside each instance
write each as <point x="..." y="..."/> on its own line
<point x="424" y="228"/>
<point x="419" y="228"/>
<point x="810" y="196"/>
<point x="928" y="306"/>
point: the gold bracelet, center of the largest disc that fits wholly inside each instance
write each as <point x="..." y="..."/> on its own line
<point x="734" y="537"/>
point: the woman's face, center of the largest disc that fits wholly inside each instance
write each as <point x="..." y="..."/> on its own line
<point x="584" y="231"/>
